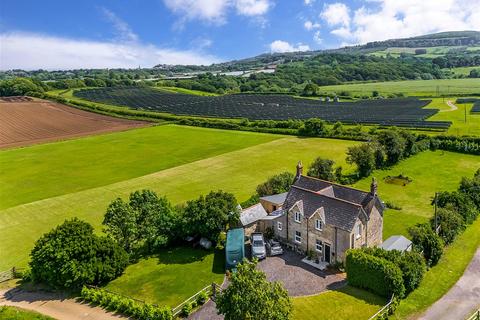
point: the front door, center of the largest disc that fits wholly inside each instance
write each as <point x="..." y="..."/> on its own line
<point x="327" y="253"/>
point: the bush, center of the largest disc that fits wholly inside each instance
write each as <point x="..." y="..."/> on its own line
<point x="427" y="241"/>
<point x="202" y="298"/>
<point x="126" y="306"/>
<point x="276" y="184"/>
<point x="374" y="274"/>
<point x="186" y="309"/>
<point x="451" y="223"/>
<point x="71" y="255"/>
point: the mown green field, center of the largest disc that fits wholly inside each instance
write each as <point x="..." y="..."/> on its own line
<point x="463" y="71"/>
<point x="170" y="277"/>
<point x="14" y="313"/>
<point x="345" y="303"/>
<point x="48" y="170"/>
<point x="411" y="87"/>
<point x="237" y="171"/>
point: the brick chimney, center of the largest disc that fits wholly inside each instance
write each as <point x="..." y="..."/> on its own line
<point x="299" y="170"/>
<point x="373" y="187"/>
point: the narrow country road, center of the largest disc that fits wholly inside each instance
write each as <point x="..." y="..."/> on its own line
<point x="462" y="299"/>
<point x="54" y="305"/>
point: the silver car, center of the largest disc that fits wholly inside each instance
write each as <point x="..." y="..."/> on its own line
<point x="274" y="247"/>
<point x="259" y="250"/>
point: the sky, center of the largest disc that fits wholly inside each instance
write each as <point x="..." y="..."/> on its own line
<point x="60" y="34"/>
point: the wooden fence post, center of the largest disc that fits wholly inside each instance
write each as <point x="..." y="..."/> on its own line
<point x="214" y="291"/>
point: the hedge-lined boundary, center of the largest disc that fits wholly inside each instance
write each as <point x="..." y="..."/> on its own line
<point x="375" y="274"/>
<point x="126" y="306"/>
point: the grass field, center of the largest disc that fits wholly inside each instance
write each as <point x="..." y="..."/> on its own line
<point x="431" y="172"/>
<point x="170" y="277"/>
<point x="48" y="170"/>
<point x="411" y="87"/>
<point x="459" y="126"/>
<point x="345" y="303"/>
<point x="187" y="91"/>
<point x="14" y="313"/>
<point x="464" y="71"/>
<point x="238" y="171"/>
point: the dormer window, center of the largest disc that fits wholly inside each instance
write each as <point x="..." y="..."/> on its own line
<point x="298" y="216"/>
<point x="318" y="224"/>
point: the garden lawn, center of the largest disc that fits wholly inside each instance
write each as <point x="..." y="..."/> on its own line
<point x="44" y="171"/>
<point x="14" y="313"/>
<point x="439" y="279"/>
<point x="345" y="303"/>
<point x="171" y="277"/>
<point x="410" y="87"/>
<point x="430" y="172"/>
<point x="238" y="172"/>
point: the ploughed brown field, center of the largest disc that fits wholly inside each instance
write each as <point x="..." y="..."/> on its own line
<point x="25" y="121"/>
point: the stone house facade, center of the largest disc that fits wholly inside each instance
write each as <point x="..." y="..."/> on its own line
<point x="327" y="219"/>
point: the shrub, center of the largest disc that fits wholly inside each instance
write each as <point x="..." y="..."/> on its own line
<point x="426" y="241"/>
<point x="202" y="298"/>
<point x="451" y="223"/>
<point x="186" y="309"/>
<point x="126" y="306"/>
<point x="374" y="274"/>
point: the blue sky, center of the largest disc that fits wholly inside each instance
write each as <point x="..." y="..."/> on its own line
<point x="53" y="34"/>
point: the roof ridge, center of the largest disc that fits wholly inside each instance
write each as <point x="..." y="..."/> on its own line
<point x="335" y="198"/>
<point x="334" y="183"/>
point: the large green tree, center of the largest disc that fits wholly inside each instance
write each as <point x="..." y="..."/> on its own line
<point x="425" y="240"/>
<point x="363" y="156"/>
<point x="393" y="144"/>
<point x="120" y="223"/>
<point x="450" y="223"/>
<point x="209" y="215"/>
<point x="322" y="169"/>
<point x="276" y="184"/>
<point x="251" y="296"/>
<point x="71" y="255"/>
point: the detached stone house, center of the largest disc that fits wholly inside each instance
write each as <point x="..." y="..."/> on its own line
<point x="328" y="218"/>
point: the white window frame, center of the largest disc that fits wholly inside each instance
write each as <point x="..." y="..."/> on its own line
<point x="319" y="224"/>
<point x="358" y="231"/>
<point x="298" y="237"/>
<point x="279" y="225"/>
<point x="298" y="216"/>
<point x="317" y="244"/>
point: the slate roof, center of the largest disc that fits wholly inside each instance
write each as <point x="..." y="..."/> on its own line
<point x="396" y="243"/>
<point x="276" y="198"/>
<point x="342" y="205"/>
<point x="252" y="214"/>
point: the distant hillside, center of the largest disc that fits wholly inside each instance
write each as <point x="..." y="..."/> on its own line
<point x="458" y="42"/>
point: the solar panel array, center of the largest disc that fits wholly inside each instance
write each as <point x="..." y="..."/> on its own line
<point x="405" y="112"/>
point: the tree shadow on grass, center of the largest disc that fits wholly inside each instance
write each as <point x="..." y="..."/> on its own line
<point x="368" y="297"/>
<point x="218" y="265"/>
<point x="182" y="255"/>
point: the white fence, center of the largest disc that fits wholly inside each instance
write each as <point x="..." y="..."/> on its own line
<point x="383" y="310"/>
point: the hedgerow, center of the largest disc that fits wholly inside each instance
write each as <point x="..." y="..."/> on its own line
<point x="129" y="307"/>
<point x="374" y="274"/>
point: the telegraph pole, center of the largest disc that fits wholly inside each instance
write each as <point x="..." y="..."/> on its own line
<point x="435" y="219"/>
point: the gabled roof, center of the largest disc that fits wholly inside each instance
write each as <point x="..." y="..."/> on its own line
<point x="252" y="214"/>
<point x="339" y="213"/>
<point x="276" y="198"/>
<point x="338" y="191"/>
<point x="399" y="243"/>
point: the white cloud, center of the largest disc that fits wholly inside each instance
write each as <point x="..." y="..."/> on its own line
<point x="308" y="2"/>
<point x="283" y="46"/>
<point x="309" y="25"/>
<point x="124" y="32"/>
<point x="34" y="51"/>
<point x="317" y="38"/>
<point x="252" y="7"/>
<point x="336" y="14"/>
<point x="397" y="19"/>
<point x="215" y="11"/>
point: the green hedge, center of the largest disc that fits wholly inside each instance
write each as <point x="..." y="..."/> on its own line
<point x="129" y="307"/>
<point x="374" y="274"/>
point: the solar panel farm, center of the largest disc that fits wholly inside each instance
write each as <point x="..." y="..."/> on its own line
<point x="403" y="112"/>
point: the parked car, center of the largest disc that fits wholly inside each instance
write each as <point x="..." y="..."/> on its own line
<point x="259" y="250"/>
<point x="274" y="247"/>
